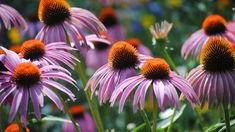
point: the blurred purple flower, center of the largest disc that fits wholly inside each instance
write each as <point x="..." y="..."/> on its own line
<point x="28" y="81"/>
<point x="10" y="16"/>
<point x="157" y="76"/>
<point x="139" y="46"/>
<point x="62" y="21"/>
<point x="110" y="20"/>
<point x="213" y="25"/>
<point x="84" y="119"/>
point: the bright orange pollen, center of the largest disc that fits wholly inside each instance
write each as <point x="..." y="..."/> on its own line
<point x="78" y="109"/>
<point x="214" y="24"/>
<point x="122" y="55"/>
<point x="14" y="128"/>
<point x="134" y="41"/>
<point x="2" y="52"/>
<point x="32" y="49"/>
<point x="53" y="12"/>
<point x="15" y="48"/>
<point x="26" y="74"/>
<point x="156" y="68"/>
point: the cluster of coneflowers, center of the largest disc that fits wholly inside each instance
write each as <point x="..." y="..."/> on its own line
<point x="129" y="69"/>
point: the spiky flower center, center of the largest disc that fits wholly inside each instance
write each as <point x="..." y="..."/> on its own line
<point x="217" y="55"/>
<point x="32" y="49"/>
<point x="108" y="17"/>
<point x="156" y="68"/>
<point x="134" y="41"/>
<point x="122" y="55"/>
<point x="26" y="74"/>
<point x="53" y="12"/>
<point x="77" y="111"/>
<point x="214" y="24"/>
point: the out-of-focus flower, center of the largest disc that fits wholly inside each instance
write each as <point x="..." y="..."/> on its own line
<point x="14" y="128"/>
<point x="160" y="30"/>
<point x="28" y="81"/>
<point x="110" y="20"/>
<point x="222" y="4"/>
<point x="147" y="20"/>
<point x="15" y="48"/>
<point x="122" y="60"/>
<point x="61" y="20"/>
<point x="10" y="16"/>
<point x="157" y="77"/>
<point x="175" y="3"/>
<point x="139" y="46"/>
<point x="52" y="53"/>
<point x="14" y="35"/>
<point x="34" y="27"/>
<point x="97" y="55"/>
<point x="85" y="121"/>
<point x="213" y="25"/>
<point x="213" y="80"/>
<point x="110" y="2"/>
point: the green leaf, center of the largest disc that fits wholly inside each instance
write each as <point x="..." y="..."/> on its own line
<point x="166" y="122"/>
<point x="163" y="123"/>
<point x="219" y="126"/>
<point x="50" y="118"/>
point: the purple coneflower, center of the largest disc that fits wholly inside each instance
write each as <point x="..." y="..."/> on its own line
<point x="28" y="81"/>
<point x="157" y="77"/>
<point x="9" y="15"/>
<point x="97" y="55"/>
<point x="213" y="25"/>
<point x="14" y="127"/>
<point x="61" y="20"/>
<point x="122" y="60"/>
<point x="214" y="78"/>
<point x="83" y="118"/>
<point x="109" y="18"/>
<point x="52" y="53"/>
<point x="139" y="46"/>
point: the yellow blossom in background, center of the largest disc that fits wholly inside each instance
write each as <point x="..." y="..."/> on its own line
<point x="147" y="20"/>
<point x="202" y="110"/>
<point x="14" y="35"/>
<point x="174" y="3"/>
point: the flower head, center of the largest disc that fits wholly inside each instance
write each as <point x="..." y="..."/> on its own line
<point x="122" y="60"/>
<point x="61" y="20"/>
<point x="213" y="25"/>
<point x="214" y="78"/>
<point x="14" y="128"/>
<point x="83" y="118"/>
<point x="28" y="81"/>
<point x="141" y="48"/>
<point x="160" y="30"/>
<point x="10" y="15"/>
<point x="156" y="76"/>
<point x="52" y="53"/>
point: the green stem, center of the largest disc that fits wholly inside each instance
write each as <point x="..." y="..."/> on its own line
<point x="145" y="118"/>
<point x="227" y="118"/>
<point x="66" y="109"/>
<point x="19" y="123"/>
<point x="172" y="120"/>
<point x="167" y="57"/>
<point x="154" y="114"/>
<point x="92" y="103"/>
